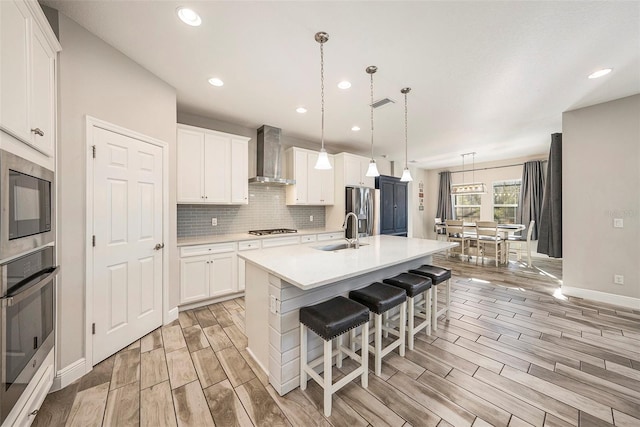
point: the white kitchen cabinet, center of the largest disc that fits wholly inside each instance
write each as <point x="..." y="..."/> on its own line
<point x="336" y="235"/>
<point x="313" y="186"/>
<point x="212" y="167"/>
<point x="274" y="242"/>
<point x="208" y="271"/>
<point x="194" y="279"/>
<point x="355" y="171"/>
<point x="189" y="151"/>
<point x="27" y="75"/>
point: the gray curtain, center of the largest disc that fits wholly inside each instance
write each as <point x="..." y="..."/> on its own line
<point x="550" y="239"/>
<point x="445" y="209"/>
<point x="530" y="205"/>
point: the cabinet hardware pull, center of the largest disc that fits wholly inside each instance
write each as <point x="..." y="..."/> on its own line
<point x="38" y="131"/>
<point x="34" y="412"/>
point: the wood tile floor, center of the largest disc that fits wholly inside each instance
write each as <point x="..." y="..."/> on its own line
<point x="511" y="355"/>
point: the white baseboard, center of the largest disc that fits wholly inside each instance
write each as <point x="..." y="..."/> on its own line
<point x="210" y="301"/>
<point x="69" y="374"/>
<point x="604" y="297"/>
<point x="171" y="315"/>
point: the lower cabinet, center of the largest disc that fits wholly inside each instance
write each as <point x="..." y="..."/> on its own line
<point x="215" y="270"/>
<point x="206" y="276"/>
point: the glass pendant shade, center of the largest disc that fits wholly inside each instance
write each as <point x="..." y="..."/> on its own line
<point x="323" y="160"/>
<point x="373" y="169"/>
<point x="406" y="175"/>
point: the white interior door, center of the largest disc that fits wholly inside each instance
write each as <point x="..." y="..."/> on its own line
<point x="127" y="224"/>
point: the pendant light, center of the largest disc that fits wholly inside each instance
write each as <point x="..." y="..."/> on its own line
<point x="406" y="174"/>
<point x="373" y="168"/>
<point x="323" y="159"/>
<point x="470" y="188"/>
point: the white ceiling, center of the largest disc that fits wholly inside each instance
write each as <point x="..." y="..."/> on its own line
<point x="490" y="77"/>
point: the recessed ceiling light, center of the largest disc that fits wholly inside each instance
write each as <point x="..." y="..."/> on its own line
<point x="301" y="110"/>
<point x="189" y="17"/>
<point x="355" y="128"/>
<point x="600" y="73"/>
<point x="344" y="84"/>
<point x="214" y="81"/>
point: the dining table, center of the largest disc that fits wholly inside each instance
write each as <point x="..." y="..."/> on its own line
<point x="504" y="229"/>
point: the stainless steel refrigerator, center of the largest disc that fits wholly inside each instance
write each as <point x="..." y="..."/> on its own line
<point x="360" y="201"/>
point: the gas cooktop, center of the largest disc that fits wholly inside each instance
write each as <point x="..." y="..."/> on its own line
<point x="272" y="231"/>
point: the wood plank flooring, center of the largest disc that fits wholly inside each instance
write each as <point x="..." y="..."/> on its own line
<point x="511" y="355"/>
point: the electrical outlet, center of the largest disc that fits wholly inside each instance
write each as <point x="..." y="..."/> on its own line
<point x="214" y="222"/>
<point x="273" y="304"/>
<point x="618" y="223"/>
<point x="310" y="218"/>
<point x="618" y="279"/>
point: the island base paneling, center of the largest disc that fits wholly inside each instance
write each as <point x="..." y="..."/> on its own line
<point x="272" y="301"/>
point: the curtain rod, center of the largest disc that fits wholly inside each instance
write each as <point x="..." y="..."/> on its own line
<point x="494" y="167"/>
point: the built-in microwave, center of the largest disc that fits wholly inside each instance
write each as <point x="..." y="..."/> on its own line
<point x="26" y="205"/>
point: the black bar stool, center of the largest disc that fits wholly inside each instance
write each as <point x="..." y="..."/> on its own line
<point x="415" y="285"/>
<point x="380" y="298"/>
<point x="437" y="276"/>
<point x="331" y="319"/>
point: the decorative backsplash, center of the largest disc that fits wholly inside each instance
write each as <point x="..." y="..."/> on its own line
<point x="266" y="209"/>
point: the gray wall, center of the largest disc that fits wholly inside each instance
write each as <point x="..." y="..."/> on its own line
<point x="266" y="209"/>
<point x="97" y="80"/>
<point x="600" y="182"/>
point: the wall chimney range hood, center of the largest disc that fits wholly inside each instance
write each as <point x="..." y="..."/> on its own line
<point x="269" y="158"/>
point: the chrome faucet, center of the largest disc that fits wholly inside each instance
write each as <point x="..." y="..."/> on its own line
<point x="353" y="241"/>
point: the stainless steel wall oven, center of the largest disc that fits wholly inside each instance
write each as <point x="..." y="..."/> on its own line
<point x="26" y="205"/>
<point x="27" y="313"/>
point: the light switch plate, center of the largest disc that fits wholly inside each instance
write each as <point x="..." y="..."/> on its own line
<point x="618" y="223"/>
<point x="618" y="279"/>
<point x="214" y="222"/>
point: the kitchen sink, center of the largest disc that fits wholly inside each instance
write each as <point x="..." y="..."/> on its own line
<point x="337" y="247"/>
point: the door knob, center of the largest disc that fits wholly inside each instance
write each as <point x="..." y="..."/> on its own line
<point x="158" y="246"/>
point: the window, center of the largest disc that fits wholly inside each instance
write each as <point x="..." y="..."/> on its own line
<point x="506" y="195"/>
<point x="467" y="207"/>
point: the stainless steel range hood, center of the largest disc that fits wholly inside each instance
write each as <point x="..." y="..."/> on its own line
<point x="269" y="158"/>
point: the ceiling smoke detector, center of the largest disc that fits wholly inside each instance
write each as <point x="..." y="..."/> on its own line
<point x="383" y="102"/>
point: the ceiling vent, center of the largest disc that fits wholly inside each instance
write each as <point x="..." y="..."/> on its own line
<point x="383" y="102"/>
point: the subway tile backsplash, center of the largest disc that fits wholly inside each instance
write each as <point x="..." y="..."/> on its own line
<point x="266" y="209"/>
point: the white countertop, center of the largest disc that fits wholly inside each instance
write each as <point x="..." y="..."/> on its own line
<point x="222" y="238"/>
<point x="306" y="267"/>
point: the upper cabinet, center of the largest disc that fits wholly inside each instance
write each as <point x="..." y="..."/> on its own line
<point x="353" y="170"/>
<point x="27" y="75"/>
<point x="313" y="186"/>
<point x="212" y="167"/>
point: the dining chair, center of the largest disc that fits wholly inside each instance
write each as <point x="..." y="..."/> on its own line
<point x="440" y="229"/>
<point x="456" y="233"/>
<point x="489" y="240"/>
<point x="520" y="240"/>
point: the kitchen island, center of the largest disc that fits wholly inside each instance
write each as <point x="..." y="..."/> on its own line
<point x="281" y="280"/>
